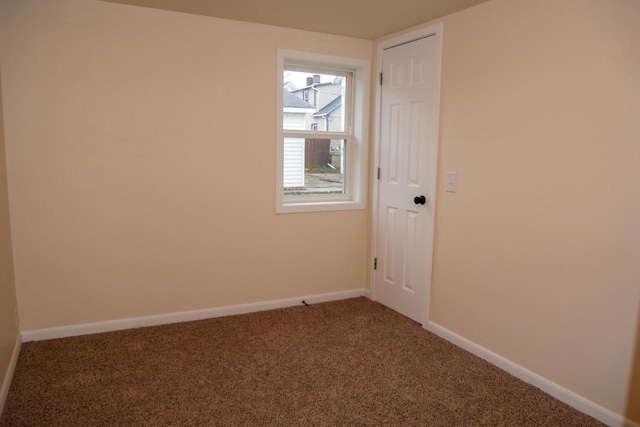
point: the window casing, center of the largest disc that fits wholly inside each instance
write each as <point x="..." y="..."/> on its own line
<point x="338" y="128"/>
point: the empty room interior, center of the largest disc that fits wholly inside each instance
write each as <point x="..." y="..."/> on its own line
<point x="147" y="176"/>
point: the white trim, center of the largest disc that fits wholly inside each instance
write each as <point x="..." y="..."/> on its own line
<point x="357" y="158"/>
<point x="420" y="33"/>
<point x="184" y="316"/>
<point x="434" y="30"/>
<point x="6" y="384"/>
<point x="569" y="397"/>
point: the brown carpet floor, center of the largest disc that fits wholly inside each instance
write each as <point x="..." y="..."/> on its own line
<point x="352" y="362"/>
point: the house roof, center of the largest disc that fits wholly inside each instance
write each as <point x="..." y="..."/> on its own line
<point x="315" y="85"/>
<point x="292" y="101"/>
<point x="329" y="108"/>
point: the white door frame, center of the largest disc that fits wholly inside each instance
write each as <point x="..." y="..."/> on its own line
<point x="434" y="30"/>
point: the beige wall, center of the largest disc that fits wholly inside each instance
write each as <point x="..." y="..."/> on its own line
<point x="8" y="328"/>
<point x="633" y="398"/>
<point x="140" y="146"/>
<point x="537" y="254"/>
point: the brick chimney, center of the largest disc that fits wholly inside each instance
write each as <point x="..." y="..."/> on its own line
<point x="309" y="81"/>
<point x="316" y="79"/>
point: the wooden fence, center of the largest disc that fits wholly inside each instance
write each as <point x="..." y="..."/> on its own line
<point x="316" y="152"/>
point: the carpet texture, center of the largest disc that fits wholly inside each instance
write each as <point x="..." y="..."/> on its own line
<point x="352" y="362"/>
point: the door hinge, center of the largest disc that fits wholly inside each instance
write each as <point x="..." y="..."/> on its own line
<point x="380" y="79"/>
<point x="375" y="263"/>
<point x="378" y="173"/>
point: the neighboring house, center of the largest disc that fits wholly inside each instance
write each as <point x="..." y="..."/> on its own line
<point x="326" y="98"/>
<point x="289" y="86"/>
<point x="330" y="116"/>
<point x="295" y="113"/>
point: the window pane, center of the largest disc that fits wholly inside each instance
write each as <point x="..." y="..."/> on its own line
<point x="314" y="166"/>
<point x="313" y="101"/>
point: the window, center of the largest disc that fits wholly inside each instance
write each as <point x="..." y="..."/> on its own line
<point x="321" y="147"/>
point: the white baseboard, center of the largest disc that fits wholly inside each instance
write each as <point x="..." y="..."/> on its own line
<point x="4" y="391"/>
<point x="184" y="316"/>
<point x="578" y="402"/>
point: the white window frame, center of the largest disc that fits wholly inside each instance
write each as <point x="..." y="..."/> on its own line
<point x="355" y="186"/>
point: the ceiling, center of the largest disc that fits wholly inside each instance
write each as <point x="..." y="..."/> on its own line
<point x="365" y="19"/>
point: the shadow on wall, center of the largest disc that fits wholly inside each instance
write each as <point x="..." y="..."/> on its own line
<point x="633" y="403"/>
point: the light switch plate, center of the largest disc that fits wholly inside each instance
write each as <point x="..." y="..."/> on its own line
<point x="452" y="182"/>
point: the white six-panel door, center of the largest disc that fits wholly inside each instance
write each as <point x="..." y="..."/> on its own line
<point x="408" y="161"/>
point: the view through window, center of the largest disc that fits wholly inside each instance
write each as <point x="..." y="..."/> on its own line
<point x="315" y="132"/>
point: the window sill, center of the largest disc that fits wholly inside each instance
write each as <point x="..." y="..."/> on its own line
<point x="325" y="206"/>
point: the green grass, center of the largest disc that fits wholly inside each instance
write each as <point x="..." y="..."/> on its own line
<point x="322" y="169"/>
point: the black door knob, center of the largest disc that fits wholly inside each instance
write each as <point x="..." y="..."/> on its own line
<point x="419" y="200"/>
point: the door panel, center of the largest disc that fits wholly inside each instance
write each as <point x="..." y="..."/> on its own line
<point x="408" y="148"/>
